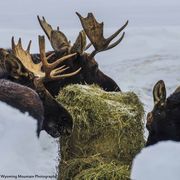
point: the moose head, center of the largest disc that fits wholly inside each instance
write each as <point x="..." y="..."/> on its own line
<point x="19" y="64"/>
<point x="90" y="72"/>
<point x="163" y="122"/>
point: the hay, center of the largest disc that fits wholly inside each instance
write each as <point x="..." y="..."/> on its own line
<point x="108" y="124"/>
<point x="94" y="167"/>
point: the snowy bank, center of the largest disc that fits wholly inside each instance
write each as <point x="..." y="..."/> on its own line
<point x="22" y="153"/>
<point x="161" y="162"/>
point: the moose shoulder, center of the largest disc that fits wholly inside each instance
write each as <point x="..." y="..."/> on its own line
<point x="163" y="122"/>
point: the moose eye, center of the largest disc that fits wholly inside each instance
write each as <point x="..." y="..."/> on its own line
<point x="160" y="114"/>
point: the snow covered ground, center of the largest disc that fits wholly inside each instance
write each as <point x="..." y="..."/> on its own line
<point x="21" y="152"/>
<point x="150" y="51"/>
<point x="158" y="162"/>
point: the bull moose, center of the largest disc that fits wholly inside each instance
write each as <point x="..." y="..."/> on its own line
<point x="90" y="72"/>
<point x="57" y="120"/>
<point x="48" y="72"/>
<point x="163" y="122"/>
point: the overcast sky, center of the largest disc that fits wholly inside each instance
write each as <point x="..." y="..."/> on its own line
<point x="22" y="13"/>
<point x="18" y="17"/>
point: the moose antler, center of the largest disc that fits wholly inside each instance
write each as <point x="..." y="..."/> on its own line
<point x="57" y="38"/>
<point x="25" y="58"/>
<point x="59" y="41"/>
<point x="94" y="31"/>
<point x="80" y="44"/>
<point x="44" y="70"/>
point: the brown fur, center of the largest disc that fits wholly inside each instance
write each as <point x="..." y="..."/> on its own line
<point x="24" y="99"/>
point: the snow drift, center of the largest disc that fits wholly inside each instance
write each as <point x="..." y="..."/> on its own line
<point x="161" y="161"/>
<point x="22" y="153"/>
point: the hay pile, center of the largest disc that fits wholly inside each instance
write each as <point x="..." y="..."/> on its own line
<point x="105" y="124"/>
<point x="94" y="167"/>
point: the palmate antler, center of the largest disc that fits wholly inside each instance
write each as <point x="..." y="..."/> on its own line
<point x="44" y="70"/>
<point x="94" y="31"/>
<point x="60" y="42"/>
<point x="57" y="38"/>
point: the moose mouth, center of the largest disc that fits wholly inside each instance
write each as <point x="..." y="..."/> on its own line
<point x="56" y="132"/>
<point x="65" y="131"/>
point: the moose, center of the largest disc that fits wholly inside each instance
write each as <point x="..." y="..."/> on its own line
<point x="56" y="119"/>
<point x="90" y="72"/>
<point x="163" y="122"/>
<point x="48" y="72"/>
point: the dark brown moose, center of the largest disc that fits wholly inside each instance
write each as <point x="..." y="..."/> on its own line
<point x="90" y="72"/>
<point x="18" y="65"/>
<point x="163" y="122"/>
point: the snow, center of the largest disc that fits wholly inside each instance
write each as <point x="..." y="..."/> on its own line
<point x="22" y="153"/>
<point x="149" y="52"/>
<point x="160" y="161"/>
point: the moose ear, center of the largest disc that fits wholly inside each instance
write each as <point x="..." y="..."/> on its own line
<point x="159" y="92"/>
<point x="80" y="43"/>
